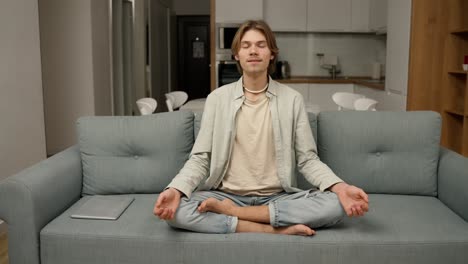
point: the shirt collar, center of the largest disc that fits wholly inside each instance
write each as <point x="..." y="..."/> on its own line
<point x="239" y="90"/>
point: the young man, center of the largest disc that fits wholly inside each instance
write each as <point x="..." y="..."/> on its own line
<point x="253" y="135"/>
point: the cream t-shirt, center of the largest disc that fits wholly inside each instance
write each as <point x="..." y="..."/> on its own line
<point x="252" y="168"/>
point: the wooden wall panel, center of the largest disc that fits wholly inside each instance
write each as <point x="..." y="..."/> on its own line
<point x="439" y="40"/>
<point x="428" y="35"/>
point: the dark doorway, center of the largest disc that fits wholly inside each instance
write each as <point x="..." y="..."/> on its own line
<point x="193" y="56"/>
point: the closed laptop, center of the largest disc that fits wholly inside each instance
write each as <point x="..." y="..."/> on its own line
<point x="103" y="207"/>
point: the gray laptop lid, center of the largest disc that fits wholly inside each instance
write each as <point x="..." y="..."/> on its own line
<point x="103" y="207"/>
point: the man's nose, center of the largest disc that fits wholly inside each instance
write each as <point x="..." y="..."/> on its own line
<point x="253" y="49"/>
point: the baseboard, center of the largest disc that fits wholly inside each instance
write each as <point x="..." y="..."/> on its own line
<point x="3" y="227"/>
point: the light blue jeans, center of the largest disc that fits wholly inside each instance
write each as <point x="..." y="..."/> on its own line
<point x="313" y="208"/>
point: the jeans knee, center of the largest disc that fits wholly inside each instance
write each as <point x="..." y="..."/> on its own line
<point x="189" y="218"/>
<point x="184" y="214"/>
<point x="179" y="221"/>
<point x="329" y="213"/>
<point x="334" y="213"/>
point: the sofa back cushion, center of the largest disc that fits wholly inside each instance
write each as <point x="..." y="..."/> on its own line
<point x="133" y="154"/>
<point x="382" y="152"/>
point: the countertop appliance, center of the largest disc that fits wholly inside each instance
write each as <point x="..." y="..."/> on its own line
<point x="227" y="72"/>
<point x="283" y="70"/>
<point x="225" y="33"/>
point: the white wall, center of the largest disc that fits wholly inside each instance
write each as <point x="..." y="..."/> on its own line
<point x="191" y="7"/>
<point x="356" y="52"/>
<point x="76" y="76"/>
<point x="22" y="137"/>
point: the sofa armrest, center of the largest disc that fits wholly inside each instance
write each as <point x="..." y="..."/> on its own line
<point x="453" y="181"/>
<point x="33" y="197"/>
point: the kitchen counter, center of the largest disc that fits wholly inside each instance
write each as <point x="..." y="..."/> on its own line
<point x="364" y="81"/>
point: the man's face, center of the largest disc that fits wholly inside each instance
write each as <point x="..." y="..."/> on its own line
<point x="254" y="54"/>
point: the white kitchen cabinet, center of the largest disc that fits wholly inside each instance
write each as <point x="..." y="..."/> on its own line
<point x="286" y="15"/>
<point x="302" y="88"/>
<point x="386" y="101"/>
<point x="228" y="11"/>
<point x="398" y="45"/>
<point x="328" y="15"/>
<point x="360" y="11"/>
<point x="321" y="94"/>
<point x="308" y="15"/>
<point x="378" y="15"/>
<point x="318" y="96"/>
<point x="371" y="93"/>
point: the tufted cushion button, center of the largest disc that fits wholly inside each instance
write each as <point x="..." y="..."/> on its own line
<point x="136" y="157"/>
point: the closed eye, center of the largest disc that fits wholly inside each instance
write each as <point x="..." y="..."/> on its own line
<point x="247" y="44"/>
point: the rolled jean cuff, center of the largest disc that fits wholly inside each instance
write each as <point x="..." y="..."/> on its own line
<point x="273" y="209"/>
<point x="232" y="224"/>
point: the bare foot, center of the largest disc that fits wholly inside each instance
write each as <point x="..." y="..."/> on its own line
<point x="299" y="230"/>
<point x="221" y="207"/>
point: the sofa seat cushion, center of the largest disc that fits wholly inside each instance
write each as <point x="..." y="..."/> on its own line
<point x="397" y="229"/>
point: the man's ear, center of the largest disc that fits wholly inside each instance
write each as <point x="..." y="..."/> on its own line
<point x="272" y="57"/>
<point x="236" y="57"/>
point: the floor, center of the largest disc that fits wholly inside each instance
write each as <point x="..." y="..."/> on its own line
<point x="3" y="248"/>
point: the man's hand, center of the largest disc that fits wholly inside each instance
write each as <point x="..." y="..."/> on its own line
<point x="353" y="199"/>
<point x="167" y="204"/>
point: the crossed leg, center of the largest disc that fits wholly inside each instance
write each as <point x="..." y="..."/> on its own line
<point x="252" y="218"/>
<point x="293" y="214"/>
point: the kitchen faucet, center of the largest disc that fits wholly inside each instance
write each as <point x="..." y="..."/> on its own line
<point x="329" y="62"/>
<point x="333" y="71"/>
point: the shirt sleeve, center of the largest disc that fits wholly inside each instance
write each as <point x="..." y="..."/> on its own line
<point x="315" y="171"/>
<point x="197" y="167"/>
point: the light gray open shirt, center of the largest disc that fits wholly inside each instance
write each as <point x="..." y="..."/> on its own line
<point x="294" y="143"/>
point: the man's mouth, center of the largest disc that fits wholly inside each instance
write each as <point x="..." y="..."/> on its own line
<point x="254" y="60"/>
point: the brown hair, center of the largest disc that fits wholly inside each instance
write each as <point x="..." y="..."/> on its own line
<point x="262" y="27"/>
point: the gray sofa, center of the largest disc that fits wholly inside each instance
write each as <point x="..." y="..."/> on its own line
<point x="418" y="196"/>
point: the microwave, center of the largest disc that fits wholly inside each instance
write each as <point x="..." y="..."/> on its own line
<point x="225" y="33"/>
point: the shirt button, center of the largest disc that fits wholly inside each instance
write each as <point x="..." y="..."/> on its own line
<point x="135" y="157"/>
<point x="377" y="154"/>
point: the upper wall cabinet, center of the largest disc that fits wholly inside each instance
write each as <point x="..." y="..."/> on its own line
<point x="228" y="11"/>
<point x="286" y="15"/>
<point x="360" y="15"/>
<point x="328" y="15"/>
<point x="307" y="15"/>
<point x="378" y="15"/>
<point x="338" y="15"/>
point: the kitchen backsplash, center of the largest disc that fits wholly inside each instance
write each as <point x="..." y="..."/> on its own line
<point x="356" y="52"/>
